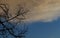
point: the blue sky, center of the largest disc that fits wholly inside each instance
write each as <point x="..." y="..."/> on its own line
<point x="44" y="29"/>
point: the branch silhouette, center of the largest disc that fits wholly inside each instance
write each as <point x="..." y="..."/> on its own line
<point x="12" y="28"/>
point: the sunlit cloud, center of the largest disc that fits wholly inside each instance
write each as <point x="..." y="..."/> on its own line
<point x="40" y="10"/>
<point x="46" y="12"/>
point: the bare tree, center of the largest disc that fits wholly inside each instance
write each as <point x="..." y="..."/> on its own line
<point x="9" y="29"/>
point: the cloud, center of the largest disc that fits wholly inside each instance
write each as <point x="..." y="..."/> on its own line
<point x="40" y="10"/>
<point x="45" y="12"/>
